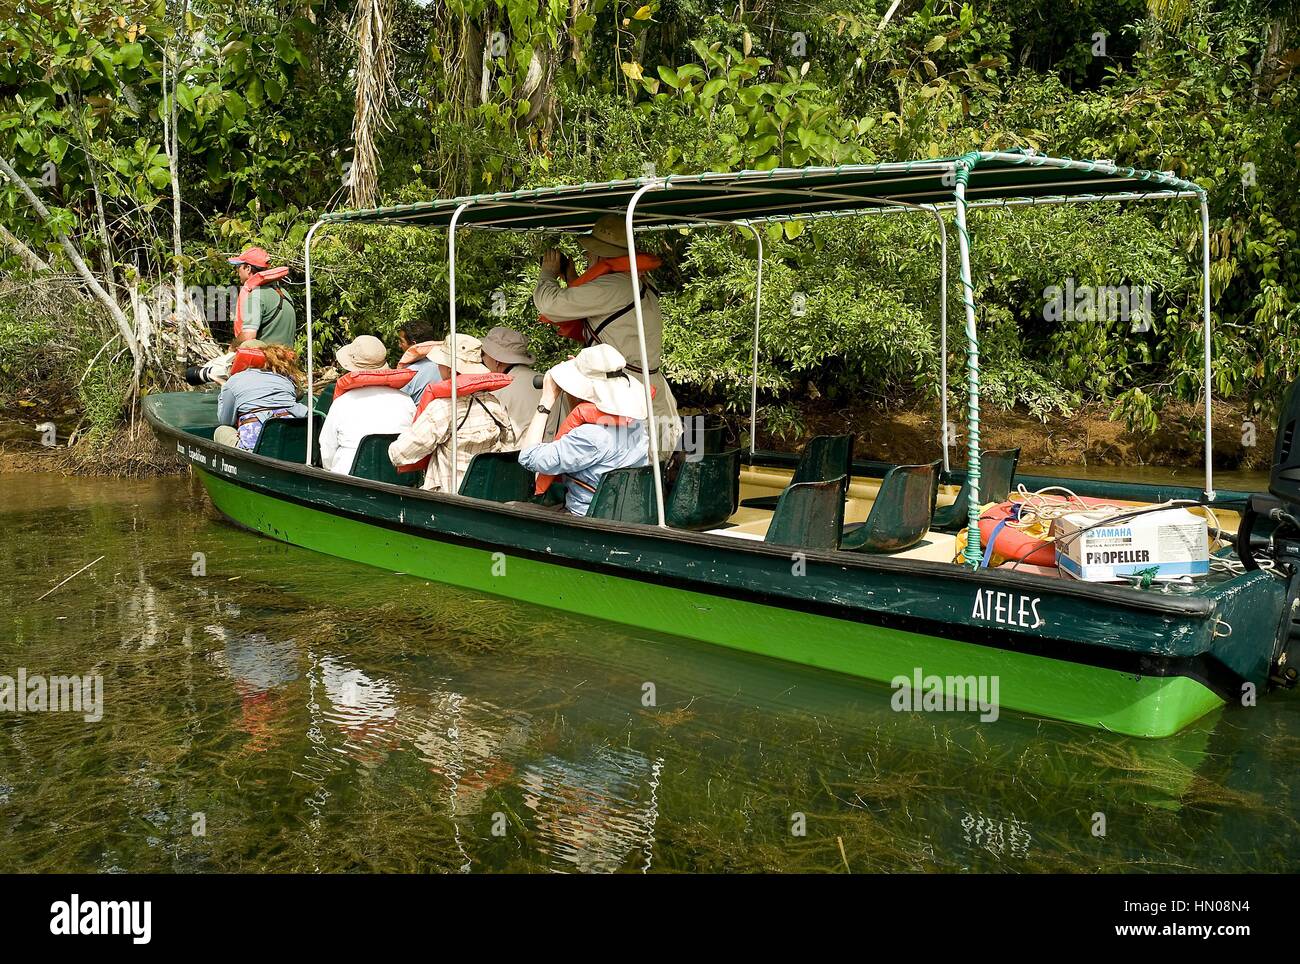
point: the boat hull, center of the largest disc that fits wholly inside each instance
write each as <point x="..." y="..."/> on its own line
<point x="1144" y="663"/>
<point x="1148" y="706"/>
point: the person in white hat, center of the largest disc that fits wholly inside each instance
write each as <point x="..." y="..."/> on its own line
<point x="372" y="409"/>
<point x="506" y="350"/>
<point x="605" y="434"/>
<point x="601" y="300"/>
<point x="482" y="422"/>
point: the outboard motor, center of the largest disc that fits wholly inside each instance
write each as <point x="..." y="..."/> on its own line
<point x="1278" y="516"/>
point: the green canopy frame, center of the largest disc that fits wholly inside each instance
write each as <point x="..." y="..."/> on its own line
<point x="748" y="199"/>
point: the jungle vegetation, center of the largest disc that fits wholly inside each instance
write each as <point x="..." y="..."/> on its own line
<point x="143" y="142"/>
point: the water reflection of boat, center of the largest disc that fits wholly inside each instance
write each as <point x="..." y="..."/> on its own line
<point x="260" y="668"/>
<point x="593" y="814"/>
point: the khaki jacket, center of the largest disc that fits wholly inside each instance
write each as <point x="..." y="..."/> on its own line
<point x="596" y="301"/>
<point x="483" y="425"/>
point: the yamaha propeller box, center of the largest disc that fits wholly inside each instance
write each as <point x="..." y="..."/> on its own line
<point x="1173" y="542"/>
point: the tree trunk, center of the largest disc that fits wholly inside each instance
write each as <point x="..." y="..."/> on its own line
<point x="124" y="326"/>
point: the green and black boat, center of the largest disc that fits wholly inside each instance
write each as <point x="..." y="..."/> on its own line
<point x="857" y="569"/>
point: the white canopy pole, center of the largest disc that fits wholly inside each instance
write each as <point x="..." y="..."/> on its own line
<point x="943" y="333"/>
<point x="652" y="427"/>
<point x="1209" y="375"/>
<point x="451" y="339"/>
<point x="311" y="387"/>
<point x="758" y="317"/>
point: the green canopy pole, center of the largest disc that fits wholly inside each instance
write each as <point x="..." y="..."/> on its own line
<point x="961" y="170"/>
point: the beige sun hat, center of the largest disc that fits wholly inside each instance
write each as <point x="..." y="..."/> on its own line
<point x="599" y="375"/>
<point x="507" y="346"/>
<point x="469" y="355"/>
<point x="608" y="237"/>
<point x="365" y="353"/>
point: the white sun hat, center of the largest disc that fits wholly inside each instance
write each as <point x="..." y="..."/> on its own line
<point x="599" y="375"/>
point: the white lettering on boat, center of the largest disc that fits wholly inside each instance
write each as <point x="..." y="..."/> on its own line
<point x="229" y="468"/>
<point x="197" y="456"/>
<point x="1007" y="609"/>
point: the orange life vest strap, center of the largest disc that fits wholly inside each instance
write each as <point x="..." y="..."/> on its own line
<point x="379" y="378"/>
<point x="465" y="385"/>
<point x="577" y="330"/>
<point x="255" y="280"/>
<point x="585" y="414"/>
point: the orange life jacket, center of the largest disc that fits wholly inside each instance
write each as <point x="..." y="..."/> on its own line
<point x="465" y="385"/>
<point x="379" y="378"/>
<point x="577" y="329"/>
<point x="585" y="414"/>
<point x="247" y="358"/>
<point x="255" y="280"/>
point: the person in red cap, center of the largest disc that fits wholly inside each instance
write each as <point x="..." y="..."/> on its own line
<point x="262" y="309"/>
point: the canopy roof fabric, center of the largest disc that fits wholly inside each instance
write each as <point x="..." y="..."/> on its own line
<point x="789" y="193"/>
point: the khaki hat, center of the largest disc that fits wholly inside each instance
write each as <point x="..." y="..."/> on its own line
<point x="469" y="355"/>
<point x="608" y="237"/>
<point x="365" y="353"/>
<point x="599" y="375"/>
<point x="507" y="346"/>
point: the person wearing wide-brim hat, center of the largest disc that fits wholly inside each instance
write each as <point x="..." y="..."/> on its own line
<point x="597" y="308"/>
<point x="482" y="422"/>
<point x="506" y="350"/>
<point x="606" y="430"/>
<point x="374" y="409"/>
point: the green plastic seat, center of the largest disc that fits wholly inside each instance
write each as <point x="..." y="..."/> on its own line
<point x="824" y="457"/>
<point x="626" y="495"/>
<point x="497" y="477"/>
<point x="372" y="462"/>
<point x="709" y="436"/>
<point x="997" y="477"/>
<point x="704" y="495"/>
<point x="809" y="515"/>
<point x="900" y="516"/>
<point x="326" y="398"/>
<point x="286" y="439"/>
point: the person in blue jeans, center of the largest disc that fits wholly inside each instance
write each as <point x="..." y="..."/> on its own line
<point x="605" y="429"/>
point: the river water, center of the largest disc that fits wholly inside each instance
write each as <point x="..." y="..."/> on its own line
<point x="265" y="708"/>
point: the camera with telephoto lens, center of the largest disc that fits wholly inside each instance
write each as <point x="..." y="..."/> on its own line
<point x="199" y="374"/>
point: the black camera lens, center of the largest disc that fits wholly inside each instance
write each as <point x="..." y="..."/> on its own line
<point x="197" y="375"/>
<point x="539" y="381"/>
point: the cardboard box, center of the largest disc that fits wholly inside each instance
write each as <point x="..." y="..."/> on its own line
<point x="1175" y="542"/>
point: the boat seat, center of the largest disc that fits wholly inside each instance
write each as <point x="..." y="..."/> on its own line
<point x="824" y="457"/>
<point x="997" y="476"/>
<point x="286" y="439"/>
<point x="900" y="516"/>
<point x="705" y="493"/>
<point x="708" y="435"/>
<point x="372" y="462"/>
<point x="497" y="477"/>
<point x="326" y="398"/>
<point x="626" y="495"/>
<point x="809" y="515"/>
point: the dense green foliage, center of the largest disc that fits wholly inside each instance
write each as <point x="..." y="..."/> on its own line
<point x="492" y="95"/>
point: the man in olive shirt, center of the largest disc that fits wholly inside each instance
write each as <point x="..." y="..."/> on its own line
<point x="262" y="309"/>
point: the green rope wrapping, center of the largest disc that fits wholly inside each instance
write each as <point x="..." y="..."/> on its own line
<point x="971" y="554"/>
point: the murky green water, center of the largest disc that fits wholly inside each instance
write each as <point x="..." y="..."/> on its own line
<point x="308" y="714"/>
